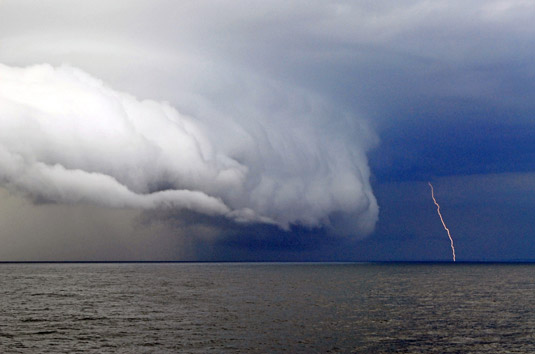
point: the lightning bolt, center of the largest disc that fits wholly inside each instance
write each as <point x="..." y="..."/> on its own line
<point x="441" y="219"/>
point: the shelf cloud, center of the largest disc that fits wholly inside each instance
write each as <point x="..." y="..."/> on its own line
<point x="66" y="137"/>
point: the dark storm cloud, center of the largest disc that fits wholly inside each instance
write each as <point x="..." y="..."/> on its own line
<point x="422" y="150"/>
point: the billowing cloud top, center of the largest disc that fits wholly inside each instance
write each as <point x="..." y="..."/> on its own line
<point x="66" y="137"/>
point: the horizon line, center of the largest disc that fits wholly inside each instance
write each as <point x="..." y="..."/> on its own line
<point x="514" y="261"/>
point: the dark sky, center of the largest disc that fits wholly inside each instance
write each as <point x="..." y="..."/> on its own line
<point x="299" y="130"/>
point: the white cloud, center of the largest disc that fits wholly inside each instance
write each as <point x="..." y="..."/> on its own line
<point x="67" y="137"/>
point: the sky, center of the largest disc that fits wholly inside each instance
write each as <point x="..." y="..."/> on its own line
<point x="266" y="131"/>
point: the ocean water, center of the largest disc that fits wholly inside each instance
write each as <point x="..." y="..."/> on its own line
<point x="266" y="308"/>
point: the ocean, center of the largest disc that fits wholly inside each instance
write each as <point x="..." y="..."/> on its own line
<point x="267" y="308"/>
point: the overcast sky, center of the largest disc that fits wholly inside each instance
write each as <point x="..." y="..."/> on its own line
<point x="254" y="130"/>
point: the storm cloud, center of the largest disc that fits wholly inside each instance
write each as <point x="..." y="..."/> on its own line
<point x="66" y="137"/>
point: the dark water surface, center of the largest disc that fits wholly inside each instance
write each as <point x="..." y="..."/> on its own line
<point x="262" y="308"/>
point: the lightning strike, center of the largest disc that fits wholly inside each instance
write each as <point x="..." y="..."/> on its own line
<point x="441" y="219"/>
